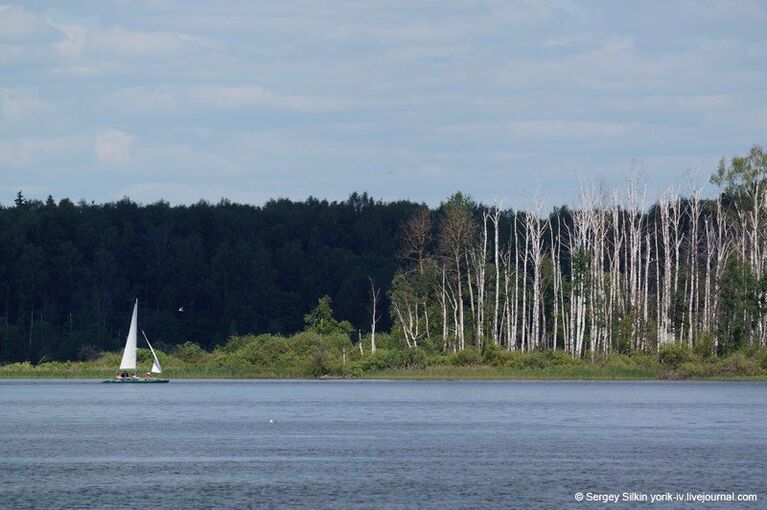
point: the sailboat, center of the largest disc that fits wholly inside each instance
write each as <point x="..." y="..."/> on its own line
<point x="128" y="362"/>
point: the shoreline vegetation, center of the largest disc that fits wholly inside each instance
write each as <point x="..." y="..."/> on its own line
<point x="613" y="288"/>
<point x="309" y="355"/>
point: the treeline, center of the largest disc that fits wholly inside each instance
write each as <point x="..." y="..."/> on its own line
<point x="70" y="271"/>
<point x="613" y="274"/>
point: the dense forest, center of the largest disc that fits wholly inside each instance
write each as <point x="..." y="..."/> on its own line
<point x="610" y="274"/>
<point x="71" y="271"/>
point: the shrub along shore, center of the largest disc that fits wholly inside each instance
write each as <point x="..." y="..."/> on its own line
<point x="311" y="355"/>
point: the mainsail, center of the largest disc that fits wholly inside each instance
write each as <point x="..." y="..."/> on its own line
<point x="128" y="361"/>
<point x="156" y="368"/>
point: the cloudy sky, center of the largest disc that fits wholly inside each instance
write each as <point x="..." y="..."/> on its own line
<point x="252" y="100"/>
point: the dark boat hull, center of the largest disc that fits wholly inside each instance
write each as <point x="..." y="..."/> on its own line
<point x="136" y="381"/>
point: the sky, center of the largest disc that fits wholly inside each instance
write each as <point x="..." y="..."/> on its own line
<point x="249" y="100"/>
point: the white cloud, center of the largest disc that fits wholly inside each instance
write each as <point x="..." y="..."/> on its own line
<point x="534" y="131"/>
<point x="13" y="53"/>
<point x="141" y="100"/>
<point x="254" y="96"/>
<point x="20" y="107"/>
<point x="87" y="68"/>
<point x="26" y="152"/>
<point x="17" y="23"/>
<point x="73" y="42"/>
<point x="164" y="99"/>
<point x="720" y="11"/>
<point x="96" y="41"/>
<point x="232" y="97"/>
<point x="566" y="129"/>
<point x="476" y="96"/>
<point x="113" y="147"/>
<point x="432" y="51"/>
<point x="194" y="161"/>
<point x="119" y="42"/>
<point x="431" y="170"/>
<point x="622" y="65"/>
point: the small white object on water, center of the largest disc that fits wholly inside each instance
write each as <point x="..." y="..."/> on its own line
<point x="272" y="420"/>
<point x="181" y="309"/>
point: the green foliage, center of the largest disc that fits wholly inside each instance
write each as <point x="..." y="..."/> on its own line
<point x="55" y="366"/>
<point x="494" y="355"/>
<point x="311" y="355"/>
<point x="740" y="365"/>
<point x="387" y="341"/>
<point x="321" y="316"/>
<point x="321" y="321"/>
<point x="108" y="360"/>
<point x="465" y="358"/>
<point x="261" y="351"/>
<point x="190" y="352"/>
<point x="23" y="366"/>
<point x="321" y="363"/>
<point x="143" y="356"/>
<point x="622" y="334"/>
<point x="307" y="354"/>
<point x="382" y="360"/>
<point x="503" y="358"/>
<point x="690" y="370"/>
<point x="674" y="354"/>
<point x="761" y="355"/>
<point x="761" y="358"/>
<point x="737" y="365"/>
<point x="704" y="346"/>
<point x="581" y="262"/>
<point x="542" y="359"/>
<point x="737" y="296"/>
<point x="335" y="343"/>
<point x="547" y="358"/>
<point x="459" y="201"/>
<point x="235" y="343"/>
<point x="743" y="173"/>
<point x="418" y="286"/>
<point x="621" y="360"/>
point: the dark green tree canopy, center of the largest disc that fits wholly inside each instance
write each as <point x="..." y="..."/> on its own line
<point x="321" y="320"/>
<point x="70" y="271"/>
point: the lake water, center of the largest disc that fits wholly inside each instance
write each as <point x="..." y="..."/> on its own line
<point x="342" y="444"/>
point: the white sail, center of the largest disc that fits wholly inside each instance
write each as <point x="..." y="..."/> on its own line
<point x="156" y="368"/>
<point x="128" y="361"/>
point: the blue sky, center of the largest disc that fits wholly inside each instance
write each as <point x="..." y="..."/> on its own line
<point x="253" y="100"/>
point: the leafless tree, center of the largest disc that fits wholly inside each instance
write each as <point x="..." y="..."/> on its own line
<point x="415" y="237"/>
<point x="374" y="316"/>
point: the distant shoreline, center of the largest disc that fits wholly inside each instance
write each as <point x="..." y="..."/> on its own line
<point x="310" y="356"/>
<point x="435" y="373"/>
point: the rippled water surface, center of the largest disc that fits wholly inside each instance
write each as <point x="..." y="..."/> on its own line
<point x="341" y="444"/>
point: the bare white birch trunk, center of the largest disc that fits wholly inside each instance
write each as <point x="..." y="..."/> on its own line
<point x="496" y="252"/>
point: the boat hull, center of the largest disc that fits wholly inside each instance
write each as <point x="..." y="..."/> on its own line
<point x="136" y="381"/>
